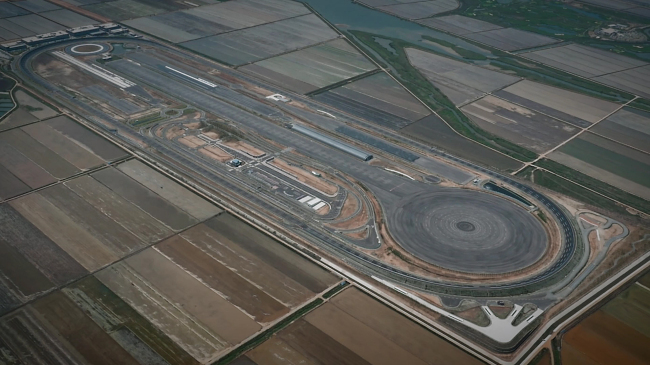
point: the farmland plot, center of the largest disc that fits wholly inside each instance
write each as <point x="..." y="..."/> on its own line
<point x="376" y="98"/>
<point x="628" y="126"/>
<point x="609" y="68"/>
<point x="315" y="67"/>
<point x="177" y="27"/>
<point x="8" y="9"/>
<point x="123" y="9"/>
<point x="36" y="6"/>
<point x="582" y="60"/>
<point x="458" y="24"/>
<point x="617" y="333"/>
<point x="608" y="161"/>
<point x="577" y="109"/>
<point x="36" y="23"/>
<point x="459" y="81"/>
<point x="288" y="262"/>
<point x="355" y="329"/>
<point x="510" y="39"/>
<point x="264" y="41"/>
<point x="253" y="268"/>
<point x="68" y="18"/>
<point x="240" y="14"/>
<point x="522" y="126"/>
<point x="422" y="9"/>
<point x="235" y="288"/>
<point x="636" y="81"/>
<point x="434" y="131"/>
<point x="169" y="190"/>
<point x="114" y="315"/>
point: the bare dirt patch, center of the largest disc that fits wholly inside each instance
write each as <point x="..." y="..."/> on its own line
<point x="216" y="153"/>
<point x="306" y="177"/>
<point x="359" y="235"/>
<point x="246" y="148"/>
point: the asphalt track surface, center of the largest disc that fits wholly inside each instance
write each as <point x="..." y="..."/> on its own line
<point x="468" y="231"/>
<point x="22" y="66"/>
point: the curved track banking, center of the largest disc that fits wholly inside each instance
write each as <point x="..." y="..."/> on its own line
<point x="21" y="65"/>
<point x="468" y="231"/>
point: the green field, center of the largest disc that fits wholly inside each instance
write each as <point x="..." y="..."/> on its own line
<point x="568" y="188"/>
<point x="617" y="159"/>
<point x="632" y="307"/>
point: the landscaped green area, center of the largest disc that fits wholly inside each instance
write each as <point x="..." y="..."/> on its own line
<point x="569" y="22"/>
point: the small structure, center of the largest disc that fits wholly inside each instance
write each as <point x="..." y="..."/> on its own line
<point x="279" y="97"/>
<point x="13" y="46"/>
<point x="235" y="162"/>
<point x="109" y="26"/>
<point x="118" y="31"/>
<point x="83" y="30"/>
<point x="47" y="37"/>
<point x="107" y="56"/>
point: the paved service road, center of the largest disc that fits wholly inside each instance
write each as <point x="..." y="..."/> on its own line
<point x="468" y="231"/>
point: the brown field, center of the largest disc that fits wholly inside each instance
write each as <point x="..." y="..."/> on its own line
<point x="306" y="177"/>
<point x="192" y="141"/>
<point x="267" y="249"/>
<point x="80" y="331"/>
<point x="398" y="329"/>
<point x="168" y="189"/>
<point x="39" y="154"/>
<point x="23" y="168"/>
<point x="236" y="289"/>
<point x="311" y="343"/>
<point x="216" y="153"/>
<point x="60" y="228"/>
<point x="159" y="208"/>
<point x="86" y="138"/>
<point x="158" y="310"/>
<point x="246" y="148"/>
<point x="111" y="312"/>
<point x="251" y="267"/>
<point x="20" y="272"/>
<point x="123" y="212"/>
<point x="209" y="308"/>
<point x="606" y="340"/>
<point x="64" y="147"/>
<point x="358" y="337"/>
<point x="101" y="226"/>
<point x="355" y="329"/>
<point x="277" y="352"/>
<point x="36" y="247"/>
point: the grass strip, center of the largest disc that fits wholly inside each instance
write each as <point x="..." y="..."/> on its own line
<point x="257" y="340"/>
<point x="336" y="289"/>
